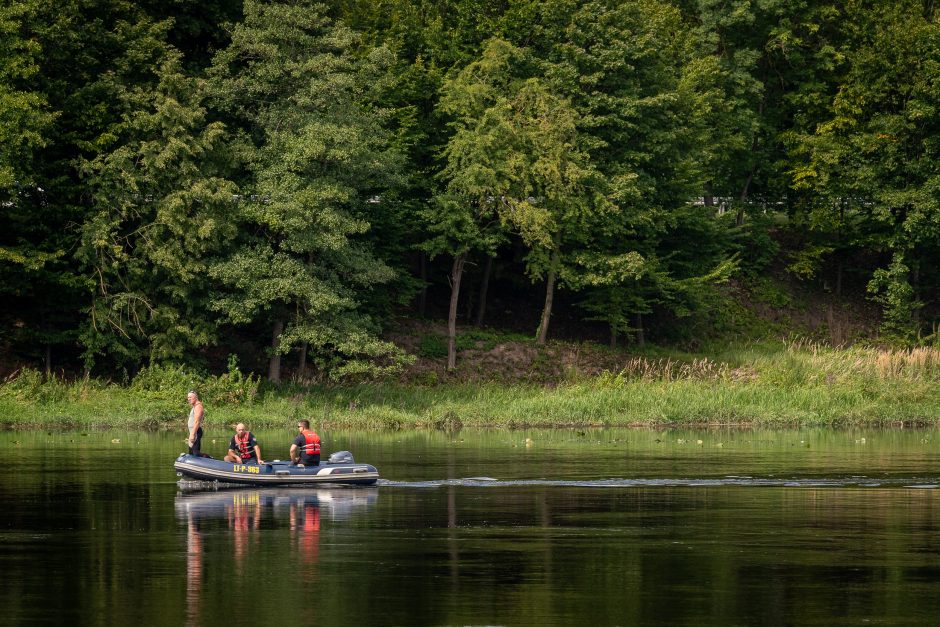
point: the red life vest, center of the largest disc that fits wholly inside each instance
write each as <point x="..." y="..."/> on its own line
<point x="242" y="443"/>
<point x="312" y="443"/>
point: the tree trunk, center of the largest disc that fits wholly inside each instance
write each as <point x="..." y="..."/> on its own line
<point x="839" y="247"/>
<point x="613" y="336"/>
<point x="274" y="366"/>
<point x="640" y="336"/>
<point x="302" y="361"/>
<point x="839" y="276"/>
<point x="549" y="297"/>
<point x="708" y="198"/>
<point x="739" y="219"/>
<point x="423" y="294"/>
<point x="468" y="304"/>
<point x="484" y="287"/>
<point x="456" y="274"/>
<point x="48" y="360"/>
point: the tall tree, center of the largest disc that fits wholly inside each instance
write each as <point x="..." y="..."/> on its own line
<point x="86" y="54"/>
<point x="648" y="104"/>
<point x="24" y="114"/>
<point x="428" y="38"/>
<point x="749" y="39"/>
<point x="25" y="119"/>
<point x="160" y="207"/>
<point x="876" y="153"/>
<point x="315" y="159"/>
<point x="515" y="156"/>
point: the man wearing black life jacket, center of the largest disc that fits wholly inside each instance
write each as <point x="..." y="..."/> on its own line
<point x="243" y="447"/>
<point x="306" y="447"/>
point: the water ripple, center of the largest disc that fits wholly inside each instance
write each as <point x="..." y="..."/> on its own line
<point x="798" y="482"/>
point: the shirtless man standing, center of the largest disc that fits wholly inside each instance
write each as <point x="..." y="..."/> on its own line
<point x="196" y="414"/>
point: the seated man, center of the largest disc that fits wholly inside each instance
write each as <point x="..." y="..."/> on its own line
<point x="306" y="446"/>
<point x="243" y="447"/>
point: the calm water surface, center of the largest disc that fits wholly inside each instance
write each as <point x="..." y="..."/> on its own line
<point x="482" y="527"/>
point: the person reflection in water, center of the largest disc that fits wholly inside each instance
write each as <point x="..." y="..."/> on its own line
<point x="243" y="447"/>
<point x="305" y="449"/>
<point x="193" y="571"/>
<point x="244" y="520"/>
<point x="305" y="528"/>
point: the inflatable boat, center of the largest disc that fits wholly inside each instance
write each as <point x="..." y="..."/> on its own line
<point x="339" y="468"/>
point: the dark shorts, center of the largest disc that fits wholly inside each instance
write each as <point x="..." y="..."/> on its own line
<point x="310" y="460"/>
<point x="197" y="443"/>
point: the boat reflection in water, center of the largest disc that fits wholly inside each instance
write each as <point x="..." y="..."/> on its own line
<point x="240" y="512"/>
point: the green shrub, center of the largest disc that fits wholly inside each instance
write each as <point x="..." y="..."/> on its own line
<point x="429" y="378"/>
<point x="432" y="346"/>
<point x="165" y="382"/>
<point x="231" y="388"/>
<point x="482" y="339"/>
<point x="30" y="385"/>
<point x="435" y="346"/>
<point x="767" y="291"/>
<point x="170" y="383"/>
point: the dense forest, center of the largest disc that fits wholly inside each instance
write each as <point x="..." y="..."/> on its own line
<point x="182" y="181"/>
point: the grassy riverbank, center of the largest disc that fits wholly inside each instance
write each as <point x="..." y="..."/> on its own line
<point x="766" y="384"/>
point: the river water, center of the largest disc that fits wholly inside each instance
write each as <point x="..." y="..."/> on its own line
<point x="607" y="527"/>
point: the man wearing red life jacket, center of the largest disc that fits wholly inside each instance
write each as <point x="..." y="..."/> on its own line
<point x="306" y="447"/>
<point x="243" y="447"/>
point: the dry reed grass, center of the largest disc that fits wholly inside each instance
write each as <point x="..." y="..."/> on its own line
<point x="801" y="363"/>
<point x="910" y="364"/>
<point x="668" y="369"/>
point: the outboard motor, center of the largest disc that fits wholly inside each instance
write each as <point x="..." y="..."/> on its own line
<point x="341" y="457"/>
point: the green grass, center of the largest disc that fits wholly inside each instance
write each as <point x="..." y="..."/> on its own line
<point x="435" y="346"/>
<point x="764" y="384"/>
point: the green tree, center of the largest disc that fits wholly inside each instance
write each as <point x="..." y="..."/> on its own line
<point x="160" y="208"/>
<point x="751" y="40"/>
<point x="876" y="151"/>
<point x="25" y="120"/>
<point x="315" y="161"/>
<point x="24" y="114"/>
<point x="648" y="104"/>
<point x="86" y="55"/>
<point x="514" y="157"/>
<point x="429" y="39"/>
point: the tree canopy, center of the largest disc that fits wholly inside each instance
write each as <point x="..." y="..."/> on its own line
<point x="286" y="177"/>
